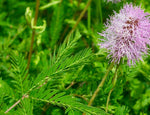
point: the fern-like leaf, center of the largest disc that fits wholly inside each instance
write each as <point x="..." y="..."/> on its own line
<point x="63" y="61"/>
<point x="61" y="99"/>
<point x="20" y="76"/>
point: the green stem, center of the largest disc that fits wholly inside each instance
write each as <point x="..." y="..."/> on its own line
<point x="108" y="98"/>
<point x="101" y="84"/>
<point x="113" y="82"/>
<point x="89" y="17"/>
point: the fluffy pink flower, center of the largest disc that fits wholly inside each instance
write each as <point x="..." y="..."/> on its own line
<point x="127" y="34"/>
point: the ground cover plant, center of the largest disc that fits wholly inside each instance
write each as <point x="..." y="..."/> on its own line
<point x="74" y="57"/>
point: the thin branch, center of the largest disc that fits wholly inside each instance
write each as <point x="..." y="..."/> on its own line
<point x="72" y="83"/>
<point x="80" y="17"/>
<point x="108" y="98"/>
<point x="76" y="95"/>
<point x="25" y="96"/>
<point x="33" y="32"/>
<point x="101" y="84"/>
<point x="113" y="82"/>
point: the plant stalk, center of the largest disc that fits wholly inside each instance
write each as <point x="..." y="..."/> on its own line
<point x="89" y="18"/>
<point x="80" y="17"/>
<point x="101" y="84"/>
<point x="113" y="82"/>
<point x="25" y="96"/>
<point x="33" y="32"/>
<point x="108" y="98"/>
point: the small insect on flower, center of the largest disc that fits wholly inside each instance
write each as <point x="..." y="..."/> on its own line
<point x="127" y="34"/>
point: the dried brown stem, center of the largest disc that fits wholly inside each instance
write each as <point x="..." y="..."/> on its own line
<point x="33" y="32"/>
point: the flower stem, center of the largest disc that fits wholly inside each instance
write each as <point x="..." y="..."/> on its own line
<point x="108" y="98"/>
<point x="101" y="84"/>
<point x="113" y="82"/>
<point x="33" y="32"/>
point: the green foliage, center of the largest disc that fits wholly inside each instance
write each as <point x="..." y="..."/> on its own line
<point x="20" y="74"/>
<point x="67" y="101"/>
<point x="63" y="60"/>
<point x="6" y="93"/>
<point x="65" y="69"/>
<point x="59" y="62"/>
<point x="121" y="111"/>
<point x="56" y="24"/>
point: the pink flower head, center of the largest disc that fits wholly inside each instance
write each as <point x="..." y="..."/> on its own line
<point x="127" y="34"/>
